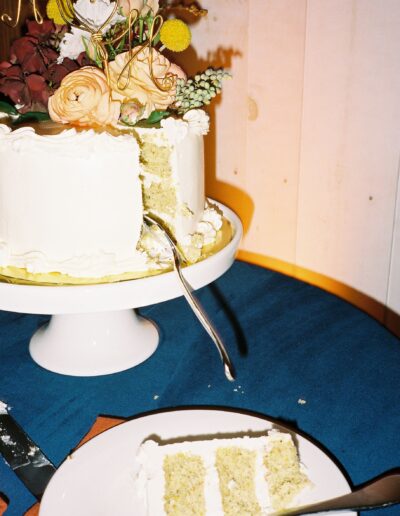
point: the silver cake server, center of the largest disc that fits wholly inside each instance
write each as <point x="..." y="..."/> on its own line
<point x="381" y="492"/>
<point x="179" y="260"/>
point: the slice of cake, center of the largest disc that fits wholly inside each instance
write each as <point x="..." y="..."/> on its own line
<point x="220" y="477"/>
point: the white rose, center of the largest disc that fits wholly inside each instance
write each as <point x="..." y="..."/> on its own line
<point x="96" y="13"/>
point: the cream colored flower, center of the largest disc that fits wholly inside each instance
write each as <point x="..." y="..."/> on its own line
<point x="131" y="112"/>
<point x="141" y="6"/>
<point x="141" y="86"/>
<point x="84" y="99"/>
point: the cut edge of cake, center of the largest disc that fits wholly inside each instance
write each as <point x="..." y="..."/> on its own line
<point x="220" y="477"/>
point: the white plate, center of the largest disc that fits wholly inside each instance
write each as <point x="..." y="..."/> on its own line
<point x="98" y="479"/>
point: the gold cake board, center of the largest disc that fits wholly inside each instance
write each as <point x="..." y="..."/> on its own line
<point x="20" y="276"/>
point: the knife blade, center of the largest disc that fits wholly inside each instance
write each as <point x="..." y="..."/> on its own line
<point x="23" y="456"/>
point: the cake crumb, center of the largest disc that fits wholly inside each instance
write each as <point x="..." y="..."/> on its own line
<point x="155" y="397"/>
<point x="209" y="385"/>
<point x="301" y="401"/>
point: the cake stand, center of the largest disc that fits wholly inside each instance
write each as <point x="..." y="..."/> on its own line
<point x="94" y="329"/>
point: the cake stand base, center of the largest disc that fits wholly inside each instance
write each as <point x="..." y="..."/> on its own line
<point x="93" y="329"/>
<point x="93" y="344"/>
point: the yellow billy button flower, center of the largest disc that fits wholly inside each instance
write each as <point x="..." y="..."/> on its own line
<point x="53" y="12"/>
<point x="175" y="35"/>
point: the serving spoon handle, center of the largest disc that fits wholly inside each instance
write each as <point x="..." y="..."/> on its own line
<point x="381" y="492"/>
<point x="191" y="299"/>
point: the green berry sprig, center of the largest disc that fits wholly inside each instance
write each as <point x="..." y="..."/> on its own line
<point x="199" y="90"/>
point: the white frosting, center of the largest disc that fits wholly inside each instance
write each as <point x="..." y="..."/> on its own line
<point x="195" y="121"/>
<point x="150" y="478"/>
<point x="72" y="202"/>
<point x="198" y="120"/>
<point x="3" y="408"/>
<point x="175" y="129"/>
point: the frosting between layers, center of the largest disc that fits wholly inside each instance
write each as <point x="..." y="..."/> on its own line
<point x="187" y="165"/>
<point x="150" y="480"/>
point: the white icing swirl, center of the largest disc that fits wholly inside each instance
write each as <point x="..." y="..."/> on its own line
<point x="66" y="143"/>
<point x="175" y="129"/>
<point x="4" y="130"/>
<point x="198" y="120"/>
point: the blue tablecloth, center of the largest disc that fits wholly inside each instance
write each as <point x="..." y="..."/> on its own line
<point x="289" y="341"/>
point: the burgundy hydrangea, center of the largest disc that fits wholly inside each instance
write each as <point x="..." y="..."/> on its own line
<point x="32" y="73"/>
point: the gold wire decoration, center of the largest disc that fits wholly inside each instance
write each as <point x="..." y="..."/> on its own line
<point x="99" y="43"/>
<point x="8" y="20"/>
<point x="74" y="19"/>
<point x="167" y="82"/>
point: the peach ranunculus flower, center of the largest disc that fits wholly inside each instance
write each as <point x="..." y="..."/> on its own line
<point x="141" y="86"/>
<point x="142" y="6"/>
<point x="84" y="99"/>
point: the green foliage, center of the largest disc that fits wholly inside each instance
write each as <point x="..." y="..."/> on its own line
<point x="5" y="107"/>
<point x="199" y="90"/>
<point x="153" y="121"/>
<point x="157" y="116"/>
<point x="20" y="118"/>
<point x="32" y="116"/>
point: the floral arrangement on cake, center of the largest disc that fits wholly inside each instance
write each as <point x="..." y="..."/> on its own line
<point x="101" y="62"/>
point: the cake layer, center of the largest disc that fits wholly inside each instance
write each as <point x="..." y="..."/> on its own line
<point x="220" y="477"/>
<point x="172" y="161"/>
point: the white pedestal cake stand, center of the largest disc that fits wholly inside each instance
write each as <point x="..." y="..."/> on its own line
<point x="93" y="329"/>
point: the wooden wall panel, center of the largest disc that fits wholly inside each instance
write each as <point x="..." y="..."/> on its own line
<point x="350" y="142"/>
<point x="393" y="300"/>
<point x="221" y="39"/>
<point x="314" y="174"/>
<point x="275" y="85"/>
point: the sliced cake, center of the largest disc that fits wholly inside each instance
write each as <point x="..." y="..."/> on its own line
<point x="244" y="476"/>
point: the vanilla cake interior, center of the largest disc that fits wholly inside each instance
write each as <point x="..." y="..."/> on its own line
<point x="220" y="477"/>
